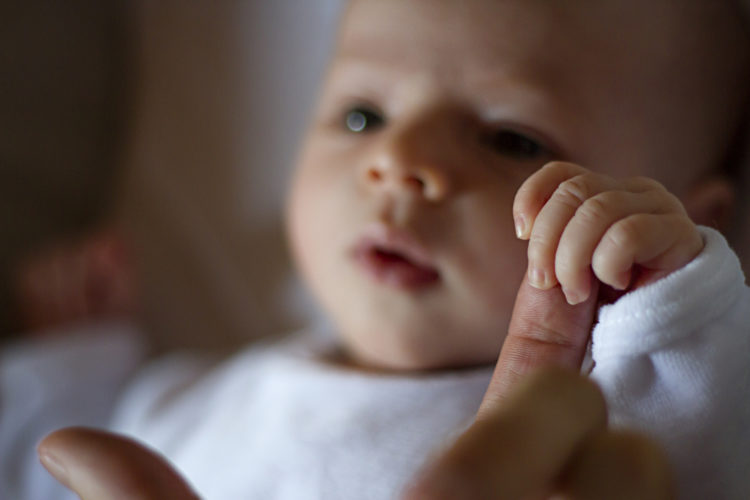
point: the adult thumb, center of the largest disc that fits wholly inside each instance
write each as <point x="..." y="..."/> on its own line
<point x="544" y="331"/>
<point x="99" y="465"/>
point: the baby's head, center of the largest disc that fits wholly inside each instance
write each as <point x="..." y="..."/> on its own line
<point x="435" y="111"/>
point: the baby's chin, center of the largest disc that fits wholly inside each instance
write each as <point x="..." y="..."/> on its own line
<point x="415" y="356"/>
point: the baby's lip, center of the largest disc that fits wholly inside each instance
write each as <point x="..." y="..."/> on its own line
<point x="394" y="257"/>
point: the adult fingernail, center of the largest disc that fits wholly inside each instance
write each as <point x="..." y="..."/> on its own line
<point x="520" y="224"/>
<point x="54" y="466"/>
<point x="538" y="278"/>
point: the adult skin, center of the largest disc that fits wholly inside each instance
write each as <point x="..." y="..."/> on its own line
<point x="539" y="431"/>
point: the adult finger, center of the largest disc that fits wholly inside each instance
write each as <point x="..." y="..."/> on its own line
<point x="544" y="330"/>
<point x="99" y="465"/>
<point x="519" y="450"/>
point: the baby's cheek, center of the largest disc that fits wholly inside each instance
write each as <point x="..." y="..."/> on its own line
<point x="491" y="269"/>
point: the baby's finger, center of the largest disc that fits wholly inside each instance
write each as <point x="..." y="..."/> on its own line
<point x="103" y="466"/>
<point x="536" y="190"/>
<point x="587" y="227"/>
<point x="520" y="448"/>
<point x="618" y="465"/>
<point x="659" y="243"/>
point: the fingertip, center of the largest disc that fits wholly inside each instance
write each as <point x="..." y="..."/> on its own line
<point x="53" y="465"/>
<point x="619" y="281"/>
<point x="575" y="297"/>
<point x="99" y="465"/>
<point x="51" y="451"/>
<point x="522" y="227"/>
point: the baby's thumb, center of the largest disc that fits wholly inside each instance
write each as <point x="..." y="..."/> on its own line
<point x="544" y="331"/>
<point x="99" y="465"/>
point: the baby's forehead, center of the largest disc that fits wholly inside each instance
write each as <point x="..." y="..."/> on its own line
<point x="602" y="47"/>
<point x="540" y="26"/>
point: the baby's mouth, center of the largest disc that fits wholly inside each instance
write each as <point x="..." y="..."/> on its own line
<point x="392" y="257"/>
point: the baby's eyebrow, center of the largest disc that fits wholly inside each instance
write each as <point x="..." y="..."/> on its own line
<point x="351" y="62"/>
<point x="363" y="74"/>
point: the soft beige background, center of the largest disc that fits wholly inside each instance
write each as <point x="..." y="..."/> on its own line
<point x="224" y="90"/>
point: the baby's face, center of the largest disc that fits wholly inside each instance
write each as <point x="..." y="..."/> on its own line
<point x="434" y="113"/>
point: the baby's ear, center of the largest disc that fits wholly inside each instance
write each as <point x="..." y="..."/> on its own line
<point x="711" y="202"/>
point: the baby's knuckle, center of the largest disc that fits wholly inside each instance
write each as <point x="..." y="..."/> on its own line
<point x="593" y="210"/>
<point x="673" y="203"/>
<point x="566" y="271"/>
<point x="538" y="238"/>
<point x="539" y="246"/>
<point x="649" y="183"/>
<point x="555" y="165"/>
<point x="624" y="233"/>
<point x="574" y="191"/>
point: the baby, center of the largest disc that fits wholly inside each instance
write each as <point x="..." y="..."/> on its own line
<point x="438" y="120"/>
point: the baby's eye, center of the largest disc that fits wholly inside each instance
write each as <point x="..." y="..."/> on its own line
<point x="363" y="119"/>
<point x="518" y="146"/>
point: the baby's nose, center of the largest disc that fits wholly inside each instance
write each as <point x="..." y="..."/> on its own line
<point x="428" y="182"/>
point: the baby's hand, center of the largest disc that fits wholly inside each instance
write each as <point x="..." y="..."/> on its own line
<point x="578" y="221"/>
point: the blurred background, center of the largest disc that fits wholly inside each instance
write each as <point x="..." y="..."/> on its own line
<point x="181" y="120"/>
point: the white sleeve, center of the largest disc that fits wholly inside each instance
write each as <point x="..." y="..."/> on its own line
<point x="71" y="379"/>
<point x="673" y="360"/>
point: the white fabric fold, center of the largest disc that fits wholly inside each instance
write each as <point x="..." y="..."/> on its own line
<point x="673" y="360"/>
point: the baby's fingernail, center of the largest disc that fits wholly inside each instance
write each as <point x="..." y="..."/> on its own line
<point x="538" y="278"/>
<point x="573" y="297"/>
<point x="54" y="466"/>
<point x="520" y="223"/>
<point x="623" y="280"/>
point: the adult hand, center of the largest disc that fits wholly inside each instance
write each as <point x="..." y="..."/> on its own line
<point x="99" y="465"/>
<point x="545" y="434"/>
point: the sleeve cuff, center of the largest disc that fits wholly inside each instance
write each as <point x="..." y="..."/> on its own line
<point x="664" y="311"/>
